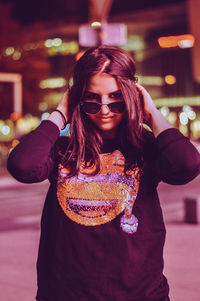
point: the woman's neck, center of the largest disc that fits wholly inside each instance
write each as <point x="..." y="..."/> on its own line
<point x="112" y="134"/>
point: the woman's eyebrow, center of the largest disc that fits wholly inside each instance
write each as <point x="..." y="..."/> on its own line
<point x="117" y="91"/>
<point x="92" y="93"/>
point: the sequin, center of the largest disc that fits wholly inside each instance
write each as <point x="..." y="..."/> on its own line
<point x="95" y="200"/>
<point x="129" y="224"/>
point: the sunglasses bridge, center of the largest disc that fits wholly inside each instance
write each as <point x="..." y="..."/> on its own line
<point x="95" y="107"/>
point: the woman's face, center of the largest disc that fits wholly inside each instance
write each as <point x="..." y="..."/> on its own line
<point x="103" y="90"/>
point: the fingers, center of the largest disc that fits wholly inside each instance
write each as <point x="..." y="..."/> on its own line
<point x="144" y="93"/>
<point x="139" y="86"/>
<point x="63" y="105"/>
<point x="142" y="90"/>
<point x="65" y="97"/>
<point x="148" y="104"/>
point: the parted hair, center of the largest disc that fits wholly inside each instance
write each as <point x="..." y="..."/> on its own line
<point x="85" y="142"/>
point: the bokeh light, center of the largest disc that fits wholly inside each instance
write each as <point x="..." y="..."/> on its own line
<point x="170" y="79"/>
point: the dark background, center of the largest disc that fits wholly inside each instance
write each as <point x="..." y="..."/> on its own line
<point x="73" y="11"/>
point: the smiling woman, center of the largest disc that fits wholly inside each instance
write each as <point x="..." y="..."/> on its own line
<point x="102" y="230"/>
<point x="92" y="102"/>
<point x="105" y="106"/>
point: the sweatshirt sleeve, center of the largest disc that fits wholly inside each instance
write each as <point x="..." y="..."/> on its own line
<point x="178" y="161"/>
<point x="32" y="160"/>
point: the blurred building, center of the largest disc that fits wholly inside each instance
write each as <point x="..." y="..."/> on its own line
<point x="160" y="40"/>
<point x="45" y="53"/>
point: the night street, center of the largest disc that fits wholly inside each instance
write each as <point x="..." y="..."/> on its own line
<point x="20" y="209"/>
<point x="104" y="96"/>
<point x="21" y="204"/>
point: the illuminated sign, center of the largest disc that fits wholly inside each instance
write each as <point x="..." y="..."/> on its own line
<point x="181" y="41"/>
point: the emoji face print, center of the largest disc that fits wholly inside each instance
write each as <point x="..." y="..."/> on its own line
<point x="95" y="200"/>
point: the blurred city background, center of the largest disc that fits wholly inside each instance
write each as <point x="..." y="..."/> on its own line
<point x="40" y="42"/>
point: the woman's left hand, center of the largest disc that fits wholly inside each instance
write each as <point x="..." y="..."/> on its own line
<point x="152" y="116"/>
<point x="149" y="107"/>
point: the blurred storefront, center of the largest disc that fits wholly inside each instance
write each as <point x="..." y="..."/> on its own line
<point x="161" y="41"/>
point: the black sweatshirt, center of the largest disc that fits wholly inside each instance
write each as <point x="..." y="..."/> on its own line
<point x="102" y="236"/>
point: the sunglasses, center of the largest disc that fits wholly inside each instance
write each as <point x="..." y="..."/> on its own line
<point x="91" y="107"/>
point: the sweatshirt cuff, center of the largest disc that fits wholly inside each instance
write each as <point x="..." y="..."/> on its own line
<point x="49" y="129"/>
<point x="168" y="136"/>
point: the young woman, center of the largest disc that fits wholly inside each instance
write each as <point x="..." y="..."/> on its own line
<point x="102" y="229"/>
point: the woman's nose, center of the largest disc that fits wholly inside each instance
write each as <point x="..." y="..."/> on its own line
<point x="104" y="107"/>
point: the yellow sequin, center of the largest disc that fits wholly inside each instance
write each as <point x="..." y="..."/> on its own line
<point x="94" y="200"/>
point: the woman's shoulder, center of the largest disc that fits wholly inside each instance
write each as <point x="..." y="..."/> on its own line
<point x="60" y="148"/>
<point x="61" y="144"/>
<point x="147" y="136"/>
<point x="149" y="146"/>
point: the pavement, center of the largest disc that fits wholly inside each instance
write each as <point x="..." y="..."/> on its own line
<point x="19" y="238"/>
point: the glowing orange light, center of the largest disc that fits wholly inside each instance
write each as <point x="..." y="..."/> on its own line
<point x="175" y="41"/>
<point x="170" y="79"/>
<point x="79" y="55"/>
<point x="15" y="142"/>
<point x="14" y="116"/>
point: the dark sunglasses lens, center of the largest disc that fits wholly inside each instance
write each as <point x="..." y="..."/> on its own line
<point x="91" y="107"/>
<point x="117" y="107"/>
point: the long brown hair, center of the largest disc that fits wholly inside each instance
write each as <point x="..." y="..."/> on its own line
<point x="85" y="141"/>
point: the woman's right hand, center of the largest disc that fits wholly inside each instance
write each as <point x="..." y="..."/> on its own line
<point x="63" y="105"/>
<point x="56" y="117"/>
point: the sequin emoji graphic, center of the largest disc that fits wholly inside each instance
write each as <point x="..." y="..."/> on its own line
<point x="94" y="200"/>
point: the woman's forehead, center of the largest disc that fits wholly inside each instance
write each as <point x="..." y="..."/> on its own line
<point x="102" y="83"/>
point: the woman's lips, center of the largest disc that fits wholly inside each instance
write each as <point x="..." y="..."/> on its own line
<point x="105" y="119"/>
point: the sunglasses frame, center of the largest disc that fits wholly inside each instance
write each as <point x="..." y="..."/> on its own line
<point x="102" y="104"/>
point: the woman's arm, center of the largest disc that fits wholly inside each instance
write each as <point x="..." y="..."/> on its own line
<point x="177" y="161"/>
<point x="32" y="160"/>
<point x="56" y="117"/>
